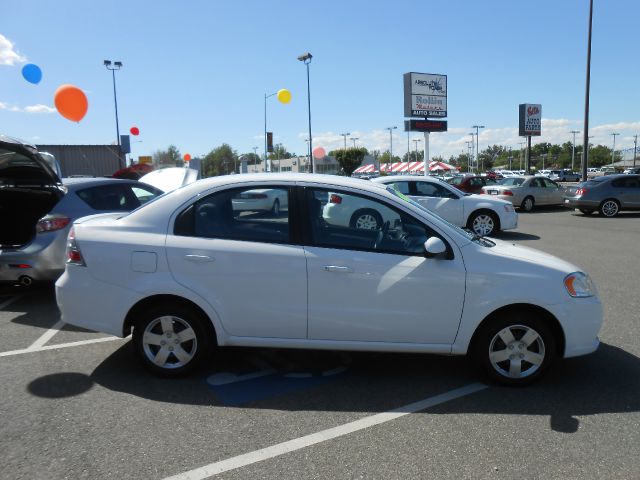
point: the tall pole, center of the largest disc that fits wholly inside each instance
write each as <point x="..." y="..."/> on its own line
<point x="408" y="146"/>
<point x="425" y="160"/>
<point x="613" y="152"/>
<point x="522" y="144"/>
<point x="416" y="141"/>
<point x="255" y="159"/>
<point x="344" y="136"/>
<point x="391" y="129"/>
<point x="527" y="158"/>
<point x="116" y="66"/>
<point x="473" y="153"/>
<point x="307" y="62"/>
<point x="585" y="138"/>
<point x="635" y="147"/>
<point x="354" y="141"/>
<point x="573" y="149"/>
<point x="478" y="127"/>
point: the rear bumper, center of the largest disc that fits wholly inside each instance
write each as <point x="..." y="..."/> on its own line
<point x="577" y="202"/>
<point x="42" y="260"/>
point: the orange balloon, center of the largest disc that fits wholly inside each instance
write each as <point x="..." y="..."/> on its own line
<point x="71" y="102"/>
<point x="187" y="157"/>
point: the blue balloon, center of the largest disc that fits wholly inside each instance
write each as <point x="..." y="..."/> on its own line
<point x="32" y="73"/>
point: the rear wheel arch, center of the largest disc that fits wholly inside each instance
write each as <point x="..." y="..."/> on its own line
<point x="516" y="308"/>
<point x="143" y="305"/>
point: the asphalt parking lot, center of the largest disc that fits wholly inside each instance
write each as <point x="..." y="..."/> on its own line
<point x="76" y="404"/>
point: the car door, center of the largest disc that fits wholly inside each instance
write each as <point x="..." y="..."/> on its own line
<point x="537" y="191"/>
<point x="553" y="192"/>
<point x="377" y="286"/>
<point x="242" y="262"/>
<point x="439" y="199"/>
<point x="627" y="191"/>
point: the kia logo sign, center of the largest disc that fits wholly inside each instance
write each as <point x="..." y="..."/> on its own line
<point x="533" y="110"/>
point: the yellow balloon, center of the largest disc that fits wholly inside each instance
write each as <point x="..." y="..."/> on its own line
<point x="284" y="95"/>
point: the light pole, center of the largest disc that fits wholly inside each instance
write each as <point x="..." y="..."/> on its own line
<point x="469" y="150"/>
<point x="116" y="66"/>
<point x="635" y="147"/>
<point x="391" y="129"/>
<point x="613" y="152"/>
<point x="478" y="127"/>
<point x="306" y="59"/>
<point x="573" y="149"/>
<point x="344" y="136"/>
<point x="415" y="143"/>
<point x="585" y="137"/>
<point x="354" y="141"/>
<point x="473" y="152"/>
<point x="255" y="159"/>
<point x="522" y="144"/>
<point x="265" y="127"/>
<point x="308" y="153"/>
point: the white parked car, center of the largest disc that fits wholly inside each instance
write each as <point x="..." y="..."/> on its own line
<point x="481" y="214"/>
<point x="262" y="200"/>
<point x="186" y="272"/>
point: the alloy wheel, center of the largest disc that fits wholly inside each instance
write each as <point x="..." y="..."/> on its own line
<point x="516" y="351"/>
<point x="169" y="342"/>
<point x="367" y="222"/>
<point x="483" y="224"/>
<point x="609" y="208"/>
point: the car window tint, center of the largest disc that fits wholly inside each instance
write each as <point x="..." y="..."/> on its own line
<point x="402" y="187"/>
<point x="111" y="198"/>
<point x="144" y="194"/>
<point x="549" y="183"/>
<point x="475" y="182"/>
<point x="353" y="222"/>
<point x="250" y="214"/>
<point x="429" y="189"/>
<point x="535" y="182"/>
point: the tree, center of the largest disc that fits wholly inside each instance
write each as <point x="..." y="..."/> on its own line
<point x="350" y="159"/>
<point x="279" y="152"/>
<point x="385" y="157"/>
<point x="219" y="161"/>
<point x="413" y="156"/>
<point x="168" y="158"/>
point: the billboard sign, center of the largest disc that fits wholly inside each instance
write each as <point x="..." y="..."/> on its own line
<point x="530" y="120"/>
<point x="425" y="95"/>
<point x="425" y="125"/>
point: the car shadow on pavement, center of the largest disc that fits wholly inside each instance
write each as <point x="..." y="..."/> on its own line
<point x="544" y="209"/>
<point x="607" y="381"/>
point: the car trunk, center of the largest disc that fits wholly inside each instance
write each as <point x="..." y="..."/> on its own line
<point x="29" y="189"/>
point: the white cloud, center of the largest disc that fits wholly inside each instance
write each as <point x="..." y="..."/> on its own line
<point x="8" y="54"/>
<point x="39" y="108"/>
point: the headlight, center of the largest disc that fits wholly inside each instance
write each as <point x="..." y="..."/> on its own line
<point x="509" y="208"/>
<point x="579" y="284"/>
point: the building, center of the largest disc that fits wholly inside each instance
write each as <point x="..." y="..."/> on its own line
<point x="92" y="160"/>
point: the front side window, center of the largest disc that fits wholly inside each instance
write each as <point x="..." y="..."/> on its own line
<point x="429" y="189"/>
<point x="354" y="222"/>
<point x="249" y="214"/>
<point x="402" y="187"/>
<point x="549" y="183"/>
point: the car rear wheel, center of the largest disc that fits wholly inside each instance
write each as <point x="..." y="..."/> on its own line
<point x="170" y="340"/>
<point x="527" y="204"/>
<point x="366" y="219"/>
<point x="483" y="223"/>
<point x="276" y="207"/>
<point x="609" y="208"/>
<point x="515" y="349"/>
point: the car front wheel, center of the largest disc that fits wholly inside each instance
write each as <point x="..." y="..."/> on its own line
<point x="170" y="340"/>
<point x="483" y="223"/>
<point x="515" y="349"/>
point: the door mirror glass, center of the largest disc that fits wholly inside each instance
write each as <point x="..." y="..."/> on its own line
<point x="434" y="247"/>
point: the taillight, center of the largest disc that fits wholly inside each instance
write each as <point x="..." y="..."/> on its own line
<point x="581" y="191"/>
<point x="74" y="256"/>
<point x="335" y="199"/>
<point x="51" y="223"/>
<point x="508" y="193"/>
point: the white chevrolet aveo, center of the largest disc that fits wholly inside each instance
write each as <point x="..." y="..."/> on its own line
<point x="189" y="271"/>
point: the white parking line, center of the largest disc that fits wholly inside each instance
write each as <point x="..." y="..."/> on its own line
<point x="8" y="302"/>
<point x="46" y="336"/>
<point x="58" y="346"/>
<point x="324" y="435"/>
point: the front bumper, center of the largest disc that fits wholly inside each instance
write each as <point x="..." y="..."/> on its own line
<point x="581" y="320"/>
<point x="508" y="220"/>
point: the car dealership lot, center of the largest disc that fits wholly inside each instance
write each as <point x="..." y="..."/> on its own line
<point x="78" y="405"/>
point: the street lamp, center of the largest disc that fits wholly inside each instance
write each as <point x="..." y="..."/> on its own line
<point x="415" y="143"/>
<point x="474" y="155"/>
<point x="469" y="149"/>
<point x="391" y="129"/>
<point x="255" y="159"/>
<point x="354" y="141"/>
<point x="306" y="59"/>
<point x="116" y="66"/>
<point x="477" y="127"/>
<point x="344" y="136"/>
<point x="265" y="126"/>
<point x="613" y="152"/>
<point x="573" y="149"/>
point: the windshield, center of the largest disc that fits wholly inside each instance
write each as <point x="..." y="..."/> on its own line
<point x="467" y="234"/>
<point x="455" y="180"/>
<point x="511" y="181"/>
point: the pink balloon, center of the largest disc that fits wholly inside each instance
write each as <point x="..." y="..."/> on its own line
<point x="319" y="152"/>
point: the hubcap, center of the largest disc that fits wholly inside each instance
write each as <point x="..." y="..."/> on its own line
<point x="528" y="204"/>
<point x="169" y="342"/>
<point x="610" y="208"/>
<point x="516" y="351"/>
<point x="483" y="225"/>
<point x="366" y="222"/>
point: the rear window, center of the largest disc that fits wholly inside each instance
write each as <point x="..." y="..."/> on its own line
<point x="511" y="181"/>
<point x="117" y="198"/>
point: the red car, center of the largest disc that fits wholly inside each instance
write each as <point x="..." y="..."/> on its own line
<point x="471" y="183"/>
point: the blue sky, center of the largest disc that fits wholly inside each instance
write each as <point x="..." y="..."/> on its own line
<point x="195" y="72"/>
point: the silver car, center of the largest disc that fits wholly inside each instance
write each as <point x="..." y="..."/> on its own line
<point x="37" y="209"/>
<point x="526" y="192"/>
<point x="606" y="194"/>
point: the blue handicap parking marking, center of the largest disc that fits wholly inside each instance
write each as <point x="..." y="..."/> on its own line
<point x="240" y="389"/>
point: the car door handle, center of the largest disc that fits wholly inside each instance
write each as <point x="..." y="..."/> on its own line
<point x="338" y="269"/>
<point x="199" y="258"/>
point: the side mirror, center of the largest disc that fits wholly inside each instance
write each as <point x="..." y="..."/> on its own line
<point x="434" y="247"/>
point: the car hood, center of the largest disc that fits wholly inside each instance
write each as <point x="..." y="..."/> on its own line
<point x="169" y="179"/>
<point x="14" y="171"/>
<point x="533" y="256"/>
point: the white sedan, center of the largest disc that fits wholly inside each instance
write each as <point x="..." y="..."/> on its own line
<point x="481" y="214"/>
<point x="176" y="272"/>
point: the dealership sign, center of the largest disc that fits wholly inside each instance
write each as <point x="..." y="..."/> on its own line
<point x="530" y="119"/>
<point x="425" y="95"/>
<point x="425" y="125"/>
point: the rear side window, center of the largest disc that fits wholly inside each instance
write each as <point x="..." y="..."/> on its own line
<point x="109" y="198"/>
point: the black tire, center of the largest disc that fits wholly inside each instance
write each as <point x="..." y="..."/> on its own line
<point x="585" y="212"/>
<point x="490" y="341"/>
<point x="196" y="346"/>
<point x="487" y="219"/>
<point x="528" y="203"/>
<point x="609" y="207"/>
<point x="367" y="219"/>
<point x="276" y="207"/>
